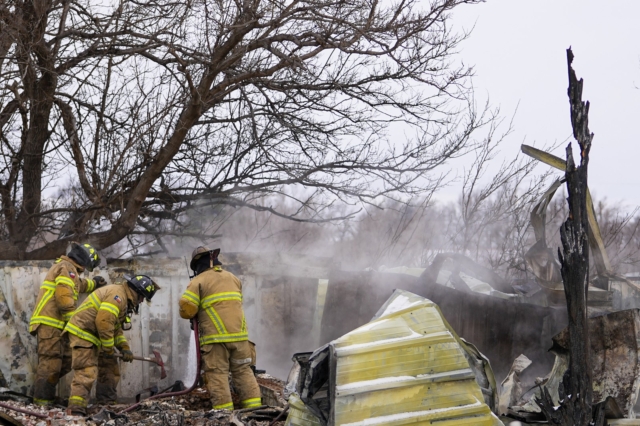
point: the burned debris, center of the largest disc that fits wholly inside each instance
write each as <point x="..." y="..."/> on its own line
<point x="615" y="367"/>
<point x="511" y="387"/>
<point x="190" y="409"/>
<point x="319" y="387"/>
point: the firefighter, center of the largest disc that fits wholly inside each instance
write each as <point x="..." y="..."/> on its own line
<point x="55" y="303"/>
<point x="215" y="296"/>
<point x="95" y="328"/>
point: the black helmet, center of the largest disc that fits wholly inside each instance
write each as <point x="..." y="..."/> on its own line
<point x="201" y="251"/>
<point x="142" y="285"/>
<point x="84" y="255"/>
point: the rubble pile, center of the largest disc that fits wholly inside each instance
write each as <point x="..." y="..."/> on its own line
<point x="272" y="390"/>
<point x="177" y="413"/>
<point x="186" y="410"/>
<point x="55" y="415"/>
<point x="169" y="412"/>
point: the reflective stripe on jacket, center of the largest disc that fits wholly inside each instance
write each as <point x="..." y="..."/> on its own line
<point x="58" y="294"/>
<point x="98" y="320"/>
<point x="215" y="296"/>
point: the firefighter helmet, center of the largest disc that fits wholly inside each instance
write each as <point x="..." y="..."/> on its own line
<point x="201" y="251"/>
<point x="84" y="255"/>
<point x="142" y="285"/>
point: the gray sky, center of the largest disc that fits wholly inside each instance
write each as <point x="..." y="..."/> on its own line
<point x="518" y="49"/>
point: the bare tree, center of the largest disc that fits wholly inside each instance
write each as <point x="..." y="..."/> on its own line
<point x="412" y="234"/>
<point x="489" y="223"/>
<point x="620" y="228"/>
<point x="117" y="118"/>
<point x="493" y="222"/>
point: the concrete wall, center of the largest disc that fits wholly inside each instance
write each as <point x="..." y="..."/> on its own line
<point x="281" y="293"/>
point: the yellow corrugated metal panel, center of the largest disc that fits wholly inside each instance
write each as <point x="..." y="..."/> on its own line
<point x="406" y="367"/>
<point x="624" y="422"/>
<point x="299" y="414"/>
<point x="476" y="414"/>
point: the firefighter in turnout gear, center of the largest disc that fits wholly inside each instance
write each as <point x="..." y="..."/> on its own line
<point x="215" y="296"/>
<point x="95" y="328"/>
<point x="54" y="306"/>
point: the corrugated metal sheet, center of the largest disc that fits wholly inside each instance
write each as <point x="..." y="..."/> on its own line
<point x="478" y="318"/>
<point x="407" y="366"/>
<point x="299" y="414"/>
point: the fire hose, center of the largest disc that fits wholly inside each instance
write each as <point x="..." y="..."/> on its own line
<point x="196" y="335"/>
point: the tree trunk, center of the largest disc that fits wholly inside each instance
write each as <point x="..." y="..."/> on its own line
<point x="40" y="81"/>
<point x="576" y="392"/>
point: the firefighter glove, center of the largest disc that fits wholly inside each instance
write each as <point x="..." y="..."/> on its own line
<point x="127" y="355"/>
<point x="108" y="352"/>
<point x="100" y="282"/>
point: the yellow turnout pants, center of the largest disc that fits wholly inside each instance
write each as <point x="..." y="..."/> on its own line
<point x="54" y="361"/>
<point x="220" y="359"/>
<point x="88" y="366"/>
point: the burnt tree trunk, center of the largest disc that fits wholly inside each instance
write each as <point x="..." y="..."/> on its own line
<point x="576" y="392"/>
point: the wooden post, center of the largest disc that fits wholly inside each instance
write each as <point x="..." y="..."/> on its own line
<point x="576" y="392"/>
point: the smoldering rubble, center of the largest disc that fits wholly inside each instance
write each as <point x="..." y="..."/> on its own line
<point x="452" y="343"/>
<point x="407" y="363"/>
<point x="191" y="409"/>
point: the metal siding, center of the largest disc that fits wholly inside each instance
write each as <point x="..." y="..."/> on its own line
<point x="406" y="367"/>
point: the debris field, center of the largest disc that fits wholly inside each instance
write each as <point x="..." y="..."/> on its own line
<point x="187" y="410"/>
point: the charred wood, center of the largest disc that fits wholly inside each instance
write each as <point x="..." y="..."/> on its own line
<point x="576" y="393"/>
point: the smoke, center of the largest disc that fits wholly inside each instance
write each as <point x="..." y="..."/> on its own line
<point x="495" y="234"/>
<point x="191" y="366"/>
<point x="387" y="235"/>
